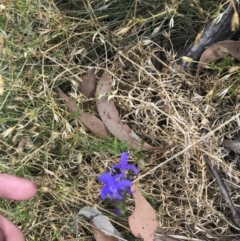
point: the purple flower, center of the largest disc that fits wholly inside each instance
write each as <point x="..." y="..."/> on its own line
<point x="123" y="166"/>
<point x="115" y="186"/>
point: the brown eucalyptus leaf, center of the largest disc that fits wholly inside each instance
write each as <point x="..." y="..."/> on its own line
<point x="143" y="221"/>
<point x="110" y="117"/>
<point x="218" y="51"/>
<point x="94" y="124"/>
<point x="100" y="236"/>
<point x="88" y="84"/>
<point x="102" y="228"/>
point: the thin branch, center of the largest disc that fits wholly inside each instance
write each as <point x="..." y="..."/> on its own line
<point x="223" y="190"/>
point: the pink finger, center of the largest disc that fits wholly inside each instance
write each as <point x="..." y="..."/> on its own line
<point x="16" y="188"/>
<point x="1" y="235"/>
<point x="10" y="231"/>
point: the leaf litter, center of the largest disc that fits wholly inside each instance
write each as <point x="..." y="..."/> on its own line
<point x="143" y="221"/>
<point x="94" y="124"/>
<point x="103" y="89"/>
<point x="107" y="110"/>
<point x="110" y="116"/>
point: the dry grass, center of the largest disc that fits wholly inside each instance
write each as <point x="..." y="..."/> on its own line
<point x="51" y="44"/>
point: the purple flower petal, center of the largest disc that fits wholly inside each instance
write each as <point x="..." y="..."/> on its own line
<point x="124" y="166"/>
<point x="104" y="192"/>
<point x="124" y="159"/>
<point x="105" y="177"/>
<point x="115" y="186"/>
<point x="122" y="185"/>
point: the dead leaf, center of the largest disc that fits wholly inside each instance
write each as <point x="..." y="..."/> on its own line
<point x="102" y="228"/>
<point x="94" y="124"/>
<point x="21" y="146"/>
<point x="218" y="51"/>
<point x="88" y="84"/>
<point x="100" y="236"/>
<point x="143" y="221"/>
<point x="110" y="117"/>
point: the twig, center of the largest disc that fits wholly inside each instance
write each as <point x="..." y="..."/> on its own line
<point x="223" y="190"/>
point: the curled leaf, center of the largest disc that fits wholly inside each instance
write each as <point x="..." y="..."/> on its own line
<point x="110" y="117"/>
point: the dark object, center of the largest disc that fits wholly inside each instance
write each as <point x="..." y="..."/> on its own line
<point x="234" y="147"/>
<point x="224" y="191"/>
<point x="230" y="157"/>
<point x="238" y="163"/>
<point x="214" y="32"/>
